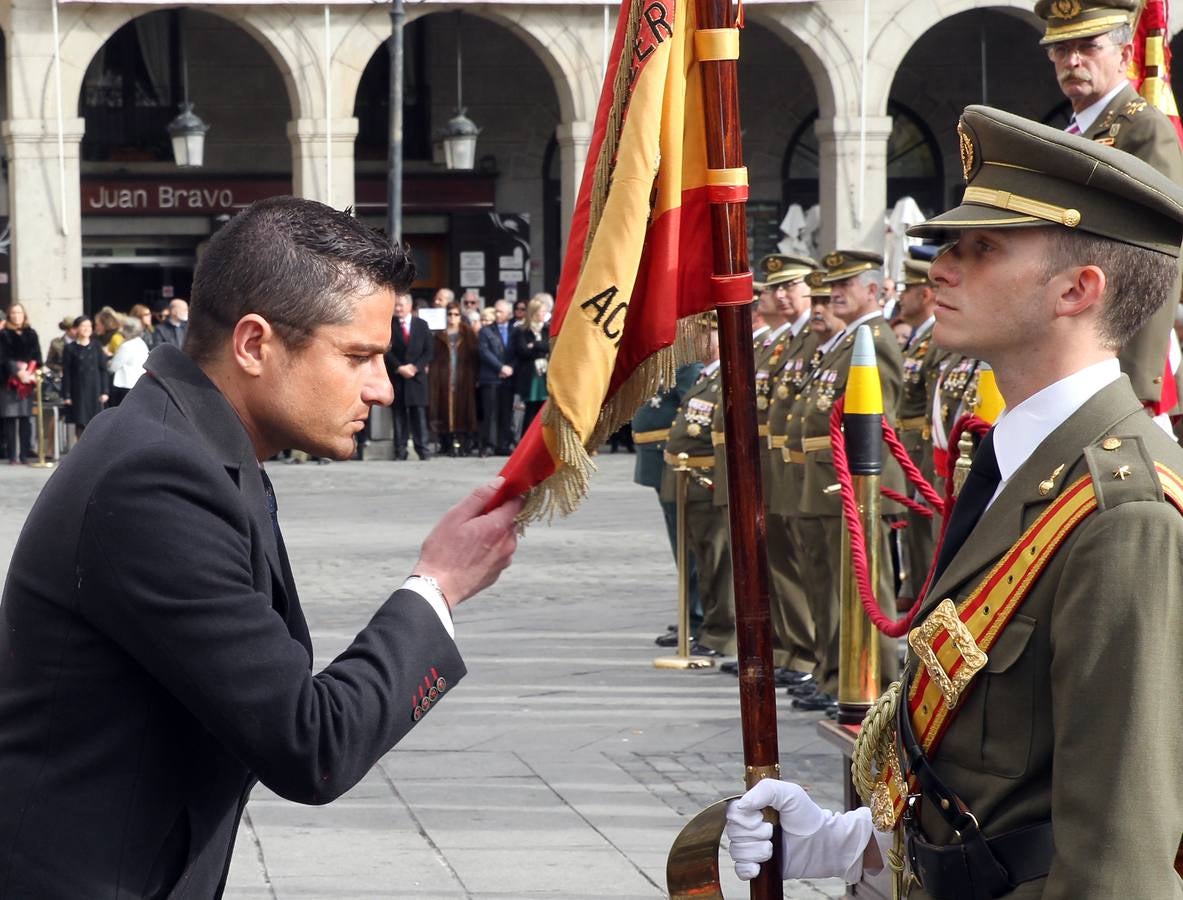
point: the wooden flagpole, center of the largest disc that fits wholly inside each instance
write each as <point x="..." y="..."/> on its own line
<point x="757" y="688"/>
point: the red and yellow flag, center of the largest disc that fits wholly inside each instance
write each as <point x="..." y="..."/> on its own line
<point x="638" y="261"/>
<point x="1150" y="73"/>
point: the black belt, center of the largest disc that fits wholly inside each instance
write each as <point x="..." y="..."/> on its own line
<point x="976" y="867"/>
<point x="966" y="871"/>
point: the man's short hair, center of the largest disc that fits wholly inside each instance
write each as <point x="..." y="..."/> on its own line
<point x="1137" y="281"/>
<point x="871" y="276"/>
<point x="297" y="263"/>
<point x="1122" y="34"/>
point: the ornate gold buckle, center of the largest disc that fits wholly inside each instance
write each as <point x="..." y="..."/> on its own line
<point x="945" y="618"/>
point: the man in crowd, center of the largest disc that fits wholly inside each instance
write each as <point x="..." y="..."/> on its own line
<point x="148" y="684"/>
<point x="1090" y="44"/>
<point x="442" y="298"/>
<point x="175" y="328"/>
<point x="1060" y="583"/>
<point x="411" y="348"/>
<point x="855" y="280"/>
<point x="917" y="307"/>
<point x="495" y="383"/>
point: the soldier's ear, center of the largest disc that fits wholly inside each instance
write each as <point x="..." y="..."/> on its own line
<point x="1078" y="289"/>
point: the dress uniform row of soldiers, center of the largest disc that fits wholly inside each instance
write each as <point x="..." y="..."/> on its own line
<point x="808" y="314"/>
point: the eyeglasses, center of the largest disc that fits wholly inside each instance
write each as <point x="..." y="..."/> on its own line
<point x="453" y="314"/>
<point x="1084" y="49"/>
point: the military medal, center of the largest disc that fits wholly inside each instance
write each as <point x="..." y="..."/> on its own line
<point x="782" y="391"/>
<point x="694" y="429"/>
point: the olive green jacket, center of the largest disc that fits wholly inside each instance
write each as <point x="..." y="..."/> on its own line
<point x="1131" y="124"/>
<point x="690" y="433"/>
<point x="785" y="481"/>
<point x="811" y="420"/>
<point x="1075" y="717"/>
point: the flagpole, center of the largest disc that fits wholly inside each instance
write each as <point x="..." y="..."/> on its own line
<point x="732" y="277"/>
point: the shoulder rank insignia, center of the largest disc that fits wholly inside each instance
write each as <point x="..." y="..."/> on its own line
<point x="1105" y="141"/>
<point x="1134" y="107"/>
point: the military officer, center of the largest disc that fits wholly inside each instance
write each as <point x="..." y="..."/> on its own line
<point x="707" y="533"/>
<point x="816" y="524"/>
<point x="651" y="429"/>
<point x="1090" y="44"/>
<point x="784" y="307"/>
<point x="917" y="308"/>
<point x="1043" y="758"/>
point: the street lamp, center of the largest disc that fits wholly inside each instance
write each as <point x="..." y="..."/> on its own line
<point x="461" y="132"/>
<point x="187" y="131"/>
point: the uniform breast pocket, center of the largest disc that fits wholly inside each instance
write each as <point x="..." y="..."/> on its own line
<point x="1008" y="706"/>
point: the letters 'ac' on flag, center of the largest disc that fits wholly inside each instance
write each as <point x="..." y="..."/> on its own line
<point x="638" y="262"/>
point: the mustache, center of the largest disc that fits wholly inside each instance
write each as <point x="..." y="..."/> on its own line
<point x="1077" y="74"/>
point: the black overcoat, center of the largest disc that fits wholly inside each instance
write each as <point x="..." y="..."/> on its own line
<point x="156" y="661"/>
<point x="418" y="351"/>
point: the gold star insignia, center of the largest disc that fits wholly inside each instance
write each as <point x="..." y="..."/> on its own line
<point x="1121" y="473"/>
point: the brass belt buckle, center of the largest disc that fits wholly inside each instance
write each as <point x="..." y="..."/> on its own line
<point x="945" y="619"/>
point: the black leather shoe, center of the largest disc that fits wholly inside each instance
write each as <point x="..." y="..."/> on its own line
<point x="730" y="667"/>
<point x="816" y="702"/>
<point x="790" y="677"/>
<point x="669" y="639"/>
<point x="486" y="453"/>
<point x="697" y="649"/>
<point x="804" y="689"/>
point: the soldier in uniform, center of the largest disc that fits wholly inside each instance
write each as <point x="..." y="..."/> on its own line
<point x="816" y="524"/>
<point x="706" y="530"/>
<point x="651" y="429"/>
<point x="1043" y="758"/>
<point x="917" y="307"/>
<point x="784" y="307"/>
<point x="1090" y="44"/>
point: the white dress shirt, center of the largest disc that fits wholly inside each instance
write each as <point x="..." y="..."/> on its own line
<point x="1087" y="116"/>
<point x="1018" y="432"/>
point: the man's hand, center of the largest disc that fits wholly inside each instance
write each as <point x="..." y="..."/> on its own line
<point x="506" y="371"/>
<point x="467" y="551"/>
<point x="817" y="843"/>
<point x="407" y="370"/>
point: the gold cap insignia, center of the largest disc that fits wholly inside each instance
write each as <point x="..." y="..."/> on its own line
<point x="1065" y="9"/>
<point x="773" y="264"/>
<point x="814" y="279"/>
<point x="967" y="151"/>
<point x="833" y="260"/>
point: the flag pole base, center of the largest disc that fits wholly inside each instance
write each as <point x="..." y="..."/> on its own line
<point x="683" y="662"/>
<point x="40" y="465"/>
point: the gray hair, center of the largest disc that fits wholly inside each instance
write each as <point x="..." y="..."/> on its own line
<point x="1122" y="34"/>
<point x="131" y="327"/>
<point x="871" y="276"/>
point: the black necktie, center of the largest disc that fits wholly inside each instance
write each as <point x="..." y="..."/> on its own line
<point x="272" y="506"/>
<point x="975" y="496"/>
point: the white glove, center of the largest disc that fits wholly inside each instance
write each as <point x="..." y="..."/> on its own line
<point x="818" y="843"/>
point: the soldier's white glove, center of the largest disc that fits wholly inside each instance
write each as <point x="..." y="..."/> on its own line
<point x="818" y="843"/>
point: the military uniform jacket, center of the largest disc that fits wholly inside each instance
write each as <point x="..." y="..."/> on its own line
<point x="690" y="433"/>
<point x="785" y="482"/>
<point x="811" y="419"/>
<point x="769" y="362"/>
<point x="915" y="403"/>
<point x="157" y="661"/>
<point x="955" y="391"/>
<point x="656" y="415"/>
<point x="1131" y="124"/>
<point x="1075" y="717"/>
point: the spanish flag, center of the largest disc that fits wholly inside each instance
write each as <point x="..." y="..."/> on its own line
<point x="638" y="263"/>
<point x="1150" y="73"/>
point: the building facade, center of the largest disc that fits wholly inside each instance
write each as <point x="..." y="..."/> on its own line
<point x="845" y="103"/>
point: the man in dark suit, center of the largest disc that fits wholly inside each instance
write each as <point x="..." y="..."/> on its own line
<point x="149" y="683"/>
<point x="495" y="382"/>
<point x="406" y="362"/>
<point x="174" y="329"/>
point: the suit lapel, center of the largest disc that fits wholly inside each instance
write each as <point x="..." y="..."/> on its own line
<point x="1020" y="501"/>
<point x="1103" y="122"/>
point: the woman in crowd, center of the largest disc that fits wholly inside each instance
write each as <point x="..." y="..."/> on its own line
<point x="84" y="376"/>
<point x="451" y="385"/>
<point x="142" y="314"/>
<point x="20" y="356"/>
<point x="107" y="323"/>
<point x="529" y="346"/>
<point x="127" y="365"/>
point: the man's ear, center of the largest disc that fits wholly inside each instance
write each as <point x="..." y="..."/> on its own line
<point x="1079" y="289"/>
<point x="252" y="343"/>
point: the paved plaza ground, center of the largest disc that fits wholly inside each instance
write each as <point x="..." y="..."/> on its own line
<point x="564" y="764"/>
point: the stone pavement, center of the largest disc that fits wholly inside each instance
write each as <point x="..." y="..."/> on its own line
<point x="564" y="764"/>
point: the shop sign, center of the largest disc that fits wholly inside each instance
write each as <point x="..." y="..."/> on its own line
<point x="175" y="197"/>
